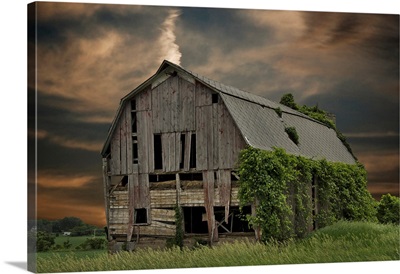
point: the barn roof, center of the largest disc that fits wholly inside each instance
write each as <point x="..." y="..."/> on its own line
<point x="259" y="123"/>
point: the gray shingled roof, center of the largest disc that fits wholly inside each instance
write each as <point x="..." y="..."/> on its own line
<point x="261" y="126"/>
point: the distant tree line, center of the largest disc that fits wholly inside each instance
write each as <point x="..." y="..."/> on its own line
<point x="68" y="224"/>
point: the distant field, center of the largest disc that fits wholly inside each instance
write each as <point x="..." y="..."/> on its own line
<point x="342" y="242"/>
<point x="74" y="240"/>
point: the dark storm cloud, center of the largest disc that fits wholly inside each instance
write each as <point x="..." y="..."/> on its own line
<point x="56" y="117"/>
<point x="67" y="160"/>
<point x="358" y="107"/>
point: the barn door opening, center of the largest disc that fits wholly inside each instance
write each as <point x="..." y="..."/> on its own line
<point x="195" y="221"/>
<point x="236" y="220"/>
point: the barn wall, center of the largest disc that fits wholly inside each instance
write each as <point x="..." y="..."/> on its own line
<point x="178" y="111"/>
<point x="173" y="108"/>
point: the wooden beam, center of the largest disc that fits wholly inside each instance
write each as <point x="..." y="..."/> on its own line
<point x="208" y="185"/>
<point x="106" y="183"/>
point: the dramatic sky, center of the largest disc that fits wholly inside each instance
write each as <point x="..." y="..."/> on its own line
<point x="89" y="56"/>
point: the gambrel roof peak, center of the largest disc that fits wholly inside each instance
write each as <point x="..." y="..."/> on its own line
<point x="258" y="121"/>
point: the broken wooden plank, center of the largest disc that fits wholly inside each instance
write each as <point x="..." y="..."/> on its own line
<point x="208" y="180"/>
<point x="224" y="186"/>
<point x="163" y="215"/>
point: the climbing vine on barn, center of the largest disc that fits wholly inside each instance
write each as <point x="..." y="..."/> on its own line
<point x="287" y="206"/>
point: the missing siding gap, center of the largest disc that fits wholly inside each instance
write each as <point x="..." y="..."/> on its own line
<point x="153" y="178"/>
<point x="158" y="164"/>
<point x="135" y="154"/>
<point x="191" y="176"/>
<point x="133" y="105"/>
<point x="182" y="162"/>
<point x="134" y="123"/>
<point x="193" y="151"/>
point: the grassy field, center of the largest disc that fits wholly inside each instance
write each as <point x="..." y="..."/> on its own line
<point x="342" y="242"/>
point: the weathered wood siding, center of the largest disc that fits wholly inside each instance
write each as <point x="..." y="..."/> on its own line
<point x="176" y="109"/>
<point x="121" y="144"/>
<point x="218" y="139"/>
<point x="118" y="213"/>
<point x="172" y="108"/>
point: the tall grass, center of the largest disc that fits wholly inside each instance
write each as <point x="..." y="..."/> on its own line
<point x="342" y="242"/>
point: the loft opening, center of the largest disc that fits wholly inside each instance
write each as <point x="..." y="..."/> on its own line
<point x="193" y="151"/>
<point x="133" y="117"/>
<point x="158" y="163"/>
<point x="214" y="98"/>
<point x="183" y="142"/>
<point x="135" y="154"/>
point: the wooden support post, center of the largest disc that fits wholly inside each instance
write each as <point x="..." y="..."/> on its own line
<point x="106" y="183"/>
<point x="178" y="189"/>
<point x="208" y="186"/>
<point x="132" y="194"/>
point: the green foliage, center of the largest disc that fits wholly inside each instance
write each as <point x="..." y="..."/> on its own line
<point x="342" y="242"/>
<point x="263" y="178"/>
<point x="288" y="100"/>
<point x="389" y="209"/>
<point x="44" y="241"/>
<point x="278" y="111"/>
<point x="68" y="223"/>
<point x="93" y="243"/>
<point x="279" y="185"/>
<point x="179" y="232"/>
<point x="292" y="133"/>
<point x="67" y="244"/>
<point x="317" y="114"/>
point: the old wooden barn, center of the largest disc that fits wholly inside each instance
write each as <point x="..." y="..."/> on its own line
<point x="175" y="140"/>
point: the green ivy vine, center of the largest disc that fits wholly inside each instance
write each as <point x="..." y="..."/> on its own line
<point x="280" y="185"/>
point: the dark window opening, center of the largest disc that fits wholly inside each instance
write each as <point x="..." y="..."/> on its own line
<point x="234" y="176"/>
<point x="161" y="177"/>
<point x="158" y="164"/>
<point x="133" y="105"/>
<point x="193" y="151"/>
<point x="135" y="154"/>
<point x="140" y="216"/>
<point x="134" y="123"/>
<point x="236" y="221"/>
<point x="191" y="176"/>
<point x="193" y="217"/>
<point x="214" y="98"/>
<point x="182" y="163"/>
<point x="124" y="181"/>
